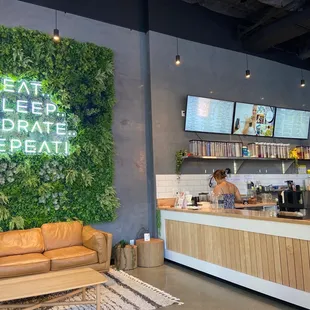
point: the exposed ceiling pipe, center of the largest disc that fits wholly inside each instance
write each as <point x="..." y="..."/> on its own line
<point x="285" y="29"/>
<point x="291" y="5"/>
<point x="271" y="13"/>
<point x="235" y="8"/>
<point x="278" y="7"/>
<point x="305" y="54"/>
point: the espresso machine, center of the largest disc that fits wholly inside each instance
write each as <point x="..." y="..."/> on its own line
<point x="294" y="203"/>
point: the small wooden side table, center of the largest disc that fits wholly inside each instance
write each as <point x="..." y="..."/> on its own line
<point x="150" y="253"/>
<point x="126" y="258"/>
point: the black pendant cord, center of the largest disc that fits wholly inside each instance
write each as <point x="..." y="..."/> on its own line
<point x="247" y="61"/>
<point x="177" y="46"/>
<point x="56" y="19"/>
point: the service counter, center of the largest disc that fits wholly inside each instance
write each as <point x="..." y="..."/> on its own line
<point x="254" y="249"/>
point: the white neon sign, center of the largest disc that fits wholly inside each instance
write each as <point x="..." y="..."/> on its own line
<point x="30" y="122"/>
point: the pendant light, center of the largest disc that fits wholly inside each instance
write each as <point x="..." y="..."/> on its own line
<point x="56" y="36"/>
<point x="247" y="71"/>
<point x="177" y="57"/>
<point x="302" y="81"/>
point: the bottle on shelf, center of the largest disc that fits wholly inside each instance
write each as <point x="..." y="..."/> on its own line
<point x="264" y="153"/>
<point x="202" y="148"/>
<point x="244" y="151"/>
<point x="273" y="150"/>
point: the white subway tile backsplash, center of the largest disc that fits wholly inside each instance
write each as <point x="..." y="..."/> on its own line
<point x="162" y="189"/>
<point x="192" y="182"/>
<point x="162" y="195"/>
<point x="168" y="185"/>
<point x="189" y="177"/>
<point x="161" y="177"/>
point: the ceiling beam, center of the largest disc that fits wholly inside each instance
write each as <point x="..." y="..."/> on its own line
<point x="285" y="29"/>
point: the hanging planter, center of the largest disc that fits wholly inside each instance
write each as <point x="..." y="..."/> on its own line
<point x="179" y="158"/>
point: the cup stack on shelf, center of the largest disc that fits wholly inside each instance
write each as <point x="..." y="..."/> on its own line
<point x="269" y="150"/>
<point x="215" y="149"/>
<point x="303" y="152"/>
<point x="201" y="148"/>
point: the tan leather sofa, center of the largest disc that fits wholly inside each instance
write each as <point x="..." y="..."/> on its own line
<point x="52" y="247"/>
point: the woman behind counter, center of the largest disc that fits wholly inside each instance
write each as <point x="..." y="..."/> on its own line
<point x="229" y="191"/>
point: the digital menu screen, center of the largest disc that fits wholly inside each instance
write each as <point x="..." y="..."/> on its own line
<point x="209" y="115"/>
<point x="292" y="124"/>
<point x="254" y="120"/>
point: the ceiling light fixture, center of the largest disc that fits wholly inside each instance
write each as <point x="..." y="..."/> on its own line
<point x="302" y="81"/>
<point x="56" y="36"/>
<point x="177" y="57"/>
<point x="247" y="71"/>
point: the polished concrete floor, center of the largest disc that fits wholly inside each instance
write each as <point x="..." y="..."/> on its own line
<point x="201" y="292"/>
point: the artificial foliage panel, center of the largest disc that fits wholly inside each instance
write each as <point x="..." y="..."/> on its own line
<point x="41" y="185"/>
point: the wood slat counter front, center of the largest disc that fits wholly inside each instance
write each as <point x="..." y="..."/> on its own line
<point x="251" y="248"/>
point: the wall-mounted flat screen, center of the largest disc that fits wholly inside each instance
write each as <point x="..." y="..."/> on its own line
<point x="292" y="124"/>
<point x="254" y="120"/>
<point x="209" y="115"/>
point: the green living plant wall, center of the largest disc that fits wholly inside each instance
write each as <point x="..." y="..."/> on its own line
<point x="48" y="187"/>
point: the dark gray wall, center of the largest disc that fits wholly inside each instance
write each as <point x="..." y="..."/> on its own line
<point x="129" y="112"/>
<point x="208" y="71"/>
<point x="204" y="69"/>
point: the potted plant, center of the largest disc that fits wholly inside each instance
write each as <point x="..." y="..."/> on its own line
<point x="125" y="255"/>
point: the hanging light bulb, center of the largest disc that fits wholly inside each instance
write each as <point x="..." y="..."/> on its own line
<point x="177" y="57"/>
<point x="247" y="71"/>
<point x="56" y="36"/>
<point x="302" y="81"/>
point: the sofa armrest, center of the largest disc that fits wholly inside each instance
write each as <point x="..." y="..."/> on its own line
<point x="98" y="241"/>
<point x="109" y="240"/>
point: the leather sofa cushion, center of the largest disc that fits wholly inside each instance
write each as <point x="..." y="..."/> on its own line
<point x="21" y="242"/>
<point x="95" y="240"/>
<point x="74" y="256"/>
<point x="21" y="265"/>
<point x="61" y="235"/>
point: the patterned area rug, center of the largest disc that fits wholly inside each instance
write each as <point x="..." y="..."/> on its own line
<point x="121" y="292"/>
